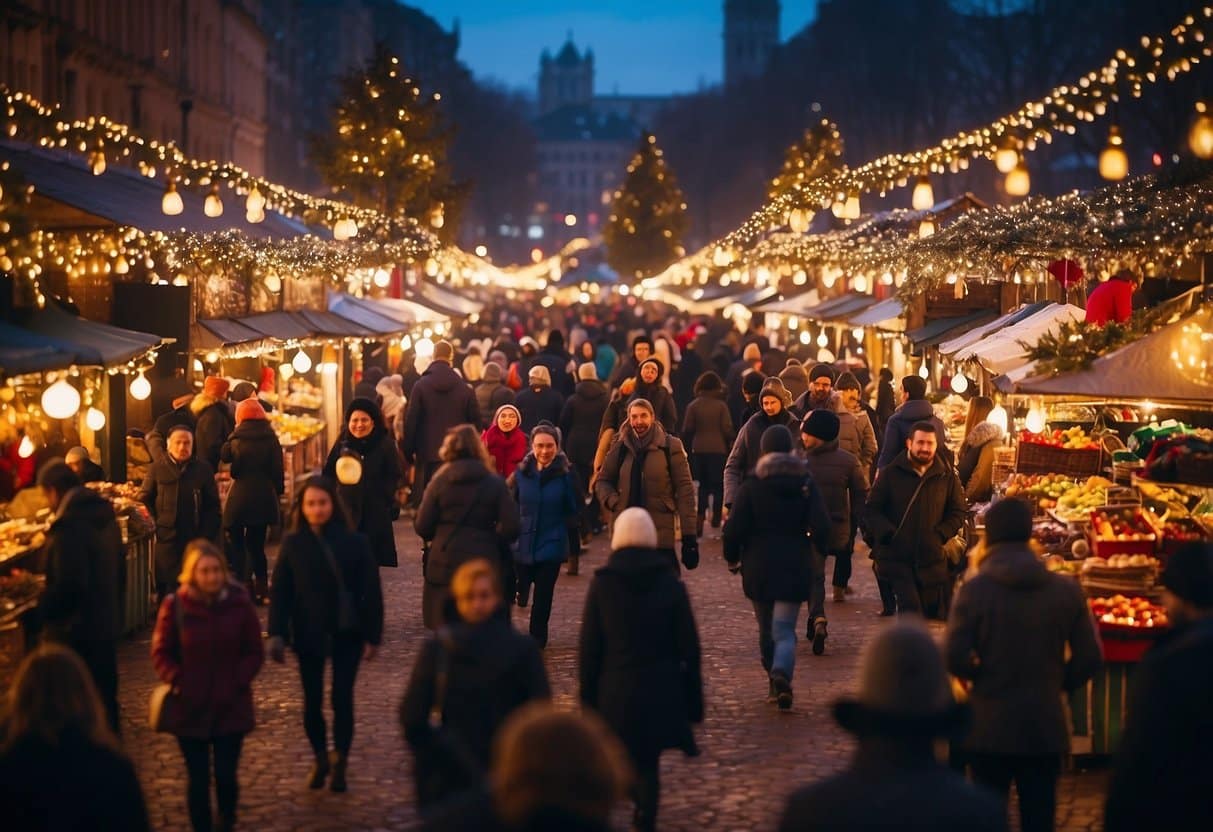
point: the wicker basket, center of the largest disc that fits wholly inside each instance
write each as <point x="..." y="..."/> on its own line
<point x="1047" y="459"/>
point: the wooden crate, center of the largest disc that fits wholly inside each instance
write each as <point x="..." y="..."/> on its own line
<point x="1047" y="459"/>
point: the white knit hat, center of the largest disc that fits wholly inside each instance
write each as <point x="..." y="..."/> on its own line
<point x="634" y="529"/>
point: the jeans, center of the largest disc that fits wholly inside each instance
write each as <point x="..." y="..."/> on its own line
<point x="346" y="655"/>
<point x="1035" y="777"/>
<point x="197" y="755"/>
<point x="101" y="659"/>
<point x="817" y="589"/>
<point x="246" y="552"/>
<point x="708" y="471"/>
<point x="777" y="635"/>
<point x="543" y="577"/>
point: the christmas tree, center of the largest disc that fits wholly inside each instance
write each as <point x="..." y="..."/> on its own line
<point x="388" y="146"/>
<point x="648" y="218"/>
<point x="817" y="152"/>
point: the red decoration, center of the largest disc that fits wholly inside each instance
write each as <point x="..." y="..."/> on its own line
<point x="1067" y="272"/>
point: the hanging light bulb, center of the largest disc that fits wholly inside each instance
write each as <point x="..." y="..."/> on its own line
<point x="425" y="348"/>
<point x="799" y="220"/>
<point x="1018" y="182"/>
<point x="406" y="343"/>
<point x="1113" y="161"/>
<point x="823" y="339"/>
<point x="26" y="449"/>
<point x="923" y="372"/>
<point x="94" y="419"/>
<point x="923" y="198"/>
<point x="273" y="282"/>
<point x="286" y="370"/>
<point x="382" y="278"/>
<point x="351" y="228"/>
<point x="437" y="216"/>
<point x="339" y="230"/>
<point x="860" y="284"/>
<point x="431" y="267"/>
<point x="96" y="160"/>
<point x="838" y="208"/>
<point x="925" y="229"/>
<point x="959" y="383"/>
<point x="1200" y="137"/>
<point x="851" y="209"/>
<point x="141" y="388"/>
<point x="213" y="207"/>
<point x="121" y="266"/>
<point x="1006" y="157"/>
<point x="998" y="416"/>
<point x="255" y="216"/>
<point x="61" y="400"/>
<point x="254" y="203"/>
<point x="1035" y="422"/>
<point x="302" y="362"/>
<point x="171" y="203"/>
<point x="857" y="333"/>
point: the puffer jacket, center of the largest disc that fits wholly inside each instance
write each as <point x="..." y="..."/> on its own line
<point x="548" y="501"/>
<point x="669" y="493"/>
<point x="467" y="512"/>
<point x="843" y="485"/>
<point x="975" y="462"/>
<point x="746" y="448"/>
<point x="776" y="520"/>
<point x="255" y="456"/>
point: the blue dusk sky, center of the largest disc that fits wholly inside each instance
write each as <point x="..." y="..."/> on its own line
<point x="640" y="46"/>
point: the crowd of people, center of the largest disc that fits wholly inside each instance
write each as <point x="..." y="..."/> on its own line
<point x="509" y="457"/>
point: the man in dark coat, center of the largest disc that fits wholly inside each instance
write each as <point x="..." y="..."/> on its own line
<point x="751" y="360"/>
<point x="539" y="401"/>
<point x="157" y="439"/>
<point x="440" y="401"/>
<point x="214" y="420"/>
<point x="894" y="780"/>
<point x="642" y="348"/>
<point x="1163" y="768"/>
<point x="843" y="485"/>
<point x="639" y="658"/>
<point x="914" y="408"/>
<point x="181" y="495"/>
<point x="579" y="424"/>
<point x="1021" y="636"/>
<point x="492" y="393"/>
<point x="79" y="461"/>
<point x="774" y="402"/>
<point x="558" y="362"/>
<point x="915" y="506"/>
<point x="83" y="604"/>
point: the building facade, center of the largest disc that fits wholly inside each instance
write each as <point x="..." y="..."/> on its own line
<point x="751" y="35"/>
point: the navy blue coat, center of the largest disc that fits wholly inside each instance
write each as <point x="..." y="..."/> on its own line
<point x="548" y="501"/>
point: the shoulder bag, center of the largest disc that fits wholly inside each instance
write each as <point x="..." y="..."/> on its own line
<point x="164" y="709"/>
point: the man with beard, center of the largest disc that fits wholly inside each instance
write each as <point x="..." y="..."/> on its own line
<point x="915" y="506"/>
<point x="821" y="395"/>
<point x="774" y="401"/>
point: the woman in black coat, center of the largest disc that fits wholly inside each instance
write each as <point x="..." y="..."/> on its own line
<point x="466" y="513"/>
<point x="579" y="422"/>
<point x="327" y="603"/>
<point x="639" y="655"/>
<point x="487" y="671"/>
<point x="368" y="490"/>
<point x="255" y="456"/>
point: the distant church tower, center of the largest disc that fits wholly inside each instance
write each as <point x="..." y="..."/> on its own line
<point x="567" y="79"/>
<point x="751" y="33"/>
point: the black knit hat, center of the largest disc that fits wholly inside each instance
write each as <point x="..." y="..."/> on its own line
<point x="822" y="424"/>
<point x="751" y="382"/>
<point x="1009" y="521"/>
<point x="1189" y="574"/>
<point x="776" y="439"/>
<point x="847" y="381"/>
<point x="822" y="371"/>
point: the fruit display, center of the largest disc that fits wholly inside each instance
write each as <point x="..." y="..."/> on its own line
<point x="1126" y="524"/>
<point x="293" y="429"/>
<point x="1073" y="439"/>
<point x="1120" y="562"/>
<point x="1040" y="487"/>
<point x="1069" y="500"/>
<point x="1122" y="611"/>
<point x="303" y="396"/>
<point x="1059" y="565"/>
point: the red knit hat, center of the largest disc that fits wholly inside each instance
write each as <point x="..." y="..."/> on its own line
<point x="250" y="408"/>
<point x="216" y="387"/>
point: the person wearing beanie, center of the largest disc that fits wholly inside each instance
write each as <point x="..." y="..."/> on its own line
<point x="370" y="502"/>
<point x="1022" y="637"/>
<point x="440" y="400"/>
<point x="1160" y="775"/>
<point x="707" y="429"/>
<point x="492" y="393"/>
<point x="254" y="455"/>
<point x="795" y="378"/>
<point x="772" y="536"/>
<point x="642" y="348"/>
<point x="914" y="408"/>
<point x="844" y="487"/>
<point x="539" y="402"/>
<point x="180" y="414"/>
<point x="749" y="362"/>
<point x="497" y="357"/>
<point x="751" y="386"/>
<point x="650" y="388"/>
<point x="580" y="422"/>
<point x="866" y="448"/>
<point x="605" y="359"/>
<point x="886" y="400"/>
<point x="903" y="706"/>
<point x="214" y="420"/>
<point x="559" y="364"/>
<point x="587" y="371"/>
<point x="773" y="402"/>
<point x="637" y="609"/>
<point x="79" y="461"/>
<point x="505" y="440"/>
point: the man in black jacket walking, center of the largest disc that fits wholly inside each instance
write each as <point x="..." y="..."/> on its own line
<point x="85" y="578"/>
<point x="440" y="400"/>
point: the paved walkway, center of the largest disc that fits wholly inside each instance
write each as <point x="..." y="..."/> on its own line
<point x="752" y="756"/>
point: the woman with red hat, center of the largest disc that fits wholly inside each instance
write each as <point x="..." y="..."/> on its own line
<point x="255" y="456"/>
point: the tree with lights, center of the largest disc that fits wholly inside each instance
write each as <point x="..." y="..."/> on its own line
<point x="817" y="152"/>
<point x="648" y="218"/>
<point x="388" y="147"/>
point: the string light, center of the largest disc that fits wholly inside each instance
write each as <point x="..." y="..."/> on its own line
<point x="61" y="400"/>
<point x="141" y="388"/>
<point x="1200" y="136"/>
<point x="94" y="419"/>
<point x="213" y="207"/>
<point x="923" y="198"/>
<point x="1113" y="161"/>
<point x="171" y="203"/>
<point x="1018" y="182"/>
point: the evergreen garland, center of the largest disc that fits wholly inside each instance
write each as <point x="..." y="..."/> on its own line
<point x="1076" y="344"/>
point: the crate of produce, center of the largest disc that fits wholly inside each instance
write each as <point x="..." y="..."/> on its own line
<point x="1177" y="532"/>
<point x="1134" y="574"/>
<point x="1036" y="457"/>
<point x="1129" y="617"/>
<point x="1121" y="531"/>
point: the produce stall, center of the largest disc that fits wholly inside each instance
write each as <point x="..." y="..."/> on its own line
<point x="303" y="448"/>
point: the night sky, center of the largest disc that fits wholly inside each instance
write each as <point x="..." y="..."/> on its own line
<point x="640" y="46"/>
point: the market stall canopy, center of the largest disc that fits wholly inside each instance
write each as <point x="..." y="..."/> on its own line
<point x="331" y="325"/>
<point x="94" y="344"/>
<point x="22" y="351"/>
<point x="789" y="304"/>
<point x="955" y="345"/>
<point x="1004" y="350"/>
<point x="840" y="308"/>
<point x="444" y="300"/>
<point x="1174" y="364"/>
<point x="707" y="300"/>
<point x="68" y="197"/>
<point x="942" y="328"/>
<point x="280" y="326"/>
<point x="370" y="314"/>
<point x="224" y="335"/>
<point x="886" y="314"/>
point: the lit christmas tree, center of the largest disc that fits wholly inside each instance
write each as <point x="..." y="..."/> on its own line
<point x="817" y="152"/>
<point x="648" y="218"/>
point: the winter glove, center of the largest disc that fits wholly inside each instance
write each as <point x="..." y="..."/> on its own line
<point x="278" y="649"/>
<point x="690" y="551"/>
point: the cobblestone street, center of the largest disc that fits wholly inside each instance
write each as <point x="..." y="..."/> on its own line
<point x="752" y="755"/>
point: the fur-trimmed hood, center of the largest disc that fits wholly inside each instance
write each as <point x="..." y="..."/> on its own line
<point x="781" y="465"/>
<point x="982" y="433"/>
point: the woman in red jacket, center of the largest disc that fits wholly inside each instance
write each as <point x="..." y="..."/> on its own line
<point x="207" y="645"/>
<point x="506" y="440"/>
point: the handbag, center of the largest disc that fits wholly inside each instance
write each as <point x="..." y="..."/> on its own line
<point x="164" y="708"/>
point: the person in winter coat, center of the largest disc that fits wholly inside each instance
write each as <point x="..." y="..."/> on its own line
<point x="559" y="364"/>
<point x="83" y="603"/>
<point x="639" y="658"/>
<point x="539" y="402"/>
<point x="820" y="392"/>
<point x="642" y="349"/>
<point x="61" y="767"/>
<point x="255" y="457"/>
<point x="647" y="467"/>
<point x="915" y="506"/>
<point x="207" y="645"/>
<point x="886" y="400"/>
<point x="1020" y="637"/>
<point x="750" y="361"/>
<point x="894" y="780"/>
<point x="157" y="437"/>
<point x="649" y="386"/>
<point x="180" y="494"/>
<point x="440" y="401"/>
<point x="605" y="359"/>
<point x="866" y="446"/>
<point x="774" y="534"/>
<point x="844" y="485"/>
<point x="1112" y="300"/>
<point x="580" y="421"/>
<point x="326" y="602"/>
<point x="751" y="386"/>
<point x="471" y="675"/>
<point x="549" y="496"/>
<point x="690" y="368"/>
<point x="795" y="379"/>
<point x="1160" y="776"/>
<point x="214" y="420"/>
<point x="975" y="461"/>
<point x="505" y="440"/>
<point x="466" y="513"/>
<point x="390" y="391"/>
<point x="914" y="409"/>
<point x="491" y="394"/>
<point x="79" y="461"/>
<point x="743" y="458"/>
<point x="707" y="429"/>
<point x="367" y="483"/>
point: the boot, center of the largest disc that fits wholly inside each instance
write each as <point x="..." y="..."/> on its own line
<point x="574" y="565"/>
<point x="819" y="636"/>
<point x="783" y="690"/>
<point x="338" y="784"/>
<point x="840" y="594"/>
<point x="319" y="773"/>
